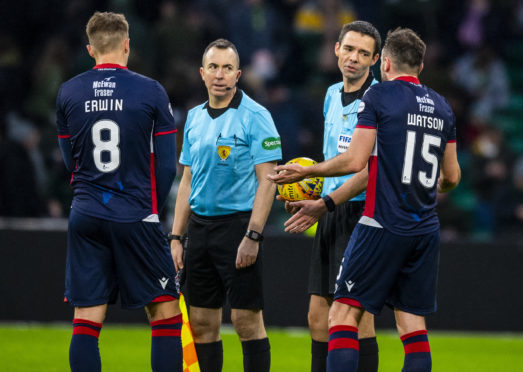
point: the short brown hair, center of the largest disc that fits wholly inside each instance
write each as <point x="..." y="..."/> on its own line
<point x="405" y="48"/>
<point x="106" y="31"/>
<point x="364" y="28"/>
<point x="221" y="44"/>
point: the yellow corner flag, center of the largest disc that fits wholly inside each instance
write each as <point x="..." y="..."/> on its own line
<point x="190" y="360"/>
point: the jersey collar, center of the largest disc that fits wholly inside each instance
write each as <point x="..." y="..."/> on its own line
<point x="348" y="98"/>
<point x="109" y="65"/>
<point x="235" y="103"/>
<point x="409" y="79"/>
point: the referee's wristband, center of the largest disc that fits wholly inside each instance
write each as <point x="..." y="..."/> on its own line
<point x="172" y="237"/>
<point x="329" y="203"/>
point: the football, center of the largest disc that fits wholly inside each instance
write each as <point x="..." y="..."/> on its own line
<point x="309" y="188"/>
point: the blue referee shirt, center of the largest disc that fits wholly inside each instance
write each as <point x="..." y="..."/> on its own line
<point x="222" y="152"/>
<point x="340" y="122"/>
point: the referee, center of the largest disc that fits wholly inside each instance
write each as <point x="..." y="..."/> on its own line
<point x="230" y="145"/>
<point x="343" y="199"/>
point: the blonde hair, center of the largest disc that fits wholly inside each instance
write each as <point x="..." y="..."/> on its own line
<point x="106" y="31"/>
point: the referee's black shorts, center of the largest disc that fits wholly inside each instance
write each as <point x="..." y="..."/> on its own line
<point x="210" y="264"/>
<point x="332" y="236"/>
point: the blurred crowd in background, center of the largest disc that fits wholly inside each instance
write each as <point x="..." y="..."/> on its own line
<point x="474" y="58"/>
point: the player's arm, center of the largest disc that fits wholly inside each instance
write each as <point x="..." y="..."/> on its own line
<point x="165" y="164"/>
<point x="450" y="172"/>
<point x="351" y="188"/>
<point x="64" y="142"/>
<point x="310" y="211"/>
<point x="164" y="143"/>
<point x="67" y="152"/>
<point x="248" y="249"/>
<point x="351" y="161"/>
<point x="182" y="211"/>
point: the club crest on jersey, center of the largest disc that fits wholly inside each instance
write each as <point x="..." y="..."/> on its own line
<point x="224" y="152"/>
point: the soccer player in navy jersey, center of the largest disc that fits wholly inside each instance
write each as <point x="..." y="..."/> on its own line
<point x="117" y="136"/>
<point x="343" y="197"/>
<point x="230" y="145"/>
<point x="407" y="134"/>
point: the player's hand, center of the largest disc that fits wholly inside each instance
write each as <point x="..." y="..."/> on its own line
<point x="288" y="173"/>
<point x="443" y="186"/>
<point x="288" y="208"/>
<point x="177" y="254"/>
<point x="247" y="253"/>
<point x="308" y="214"/>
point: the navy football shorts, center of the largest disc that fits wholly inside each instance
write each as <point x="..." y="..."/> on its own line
<point x="106" y="257"/>
<point x="210" y="264"/>
<point x="332" y="235"/>
<point x="380" y="267"/>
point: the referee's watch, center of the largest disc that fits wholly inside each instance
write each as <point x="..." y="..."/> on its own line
<point x="329" y="203"/>
<point x="254" y="235"/>
<point x="172" y="237"/>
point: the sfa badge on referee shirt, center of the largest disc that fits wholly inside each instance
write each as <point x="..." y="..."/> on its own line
<point x="224" y="152"/>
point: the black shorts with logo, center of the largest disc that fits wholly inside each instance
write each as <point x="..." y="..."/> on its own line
<point x="332" y="236"/>
<point x="210" y="264"/>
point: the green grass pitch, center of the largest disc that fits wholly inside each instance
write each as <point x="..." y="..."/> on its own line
<point x="26" y="347"/>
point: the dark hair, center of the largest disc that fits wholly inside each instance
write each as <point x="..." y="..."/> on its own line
<point x="364" y="28"/>
<point x="106" y="30"/>
<point x="221" y="44"/>
<point x="405" y="48"/>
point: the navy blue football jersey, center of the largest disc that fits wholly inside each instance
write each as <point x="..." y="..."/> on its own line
<point x="414" y="125"/>
<point x="110" y="115"/>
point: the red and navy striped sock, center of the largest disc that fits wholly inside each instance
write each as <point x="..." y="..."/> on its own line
<point x="343" y="349"/>
<point x="84" y="355"/>
<point x="166" y="345"/>
<point x="417" y="352"/>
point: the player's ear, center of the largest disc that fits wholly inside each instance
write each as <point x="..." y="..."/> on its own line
<point x="421" y="68"/>
<point x="90" y="50"/>
<point x="337" y="49"/>
<point x="127" y="46"/>
<point x="201" y="73"/>
<point x="388" y="63"/>
<point x="375" y="59"/>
